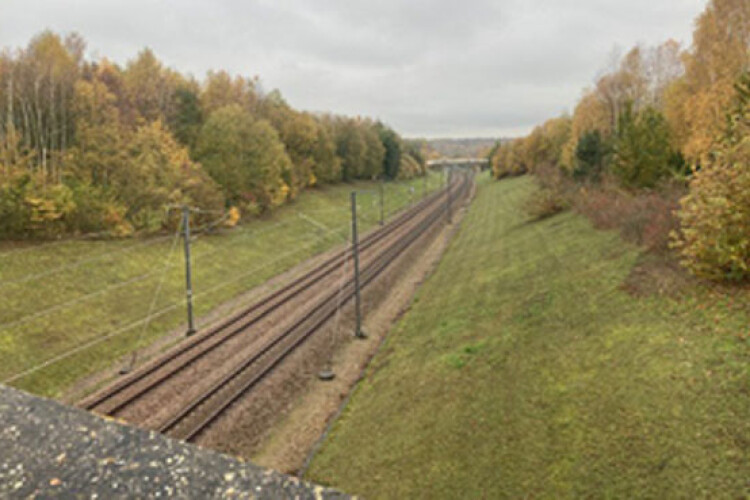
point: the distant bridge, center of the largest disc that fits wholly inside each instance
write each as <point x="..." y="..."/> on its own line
<point x="482" y="163"/>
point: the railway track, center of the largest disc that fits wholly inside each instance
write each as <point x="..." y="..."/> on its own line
<point x="114" y="397"/>
<point x="200" y="412"/>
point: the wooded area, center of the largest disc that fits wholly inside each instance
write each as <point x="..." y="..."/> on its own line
<point x="664" y="131"/>
<point x="91" y="147"/>
<point x="472" y="147"/>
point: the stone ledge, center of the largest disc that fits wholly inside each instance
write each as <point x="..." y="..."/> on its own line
<point x="51" y="450"/>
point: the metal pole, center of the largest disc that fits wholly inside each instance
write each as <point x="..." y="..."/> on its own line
<point x="382" y="209"/>
<point x="188" y="274"/>
<point x="355" y="251"/>
<point x="448" y="193"/>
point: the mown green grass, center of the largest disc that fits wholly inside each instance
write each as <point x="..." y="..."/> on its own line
<point x="60" y="296"/>
<point x="524" y="370"/>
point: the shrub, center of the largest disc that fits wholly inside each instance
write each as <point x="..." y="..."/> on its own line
<point x="97" y="211"/>
<point x="554" y="194"/>
<point x="409" y="167"/>
<point x="545" y="203"/>
<point x="30" y="206"/>
<point x="714" y="237"/>
<point x="645" y="218"/>
<point x="14" y="213"/>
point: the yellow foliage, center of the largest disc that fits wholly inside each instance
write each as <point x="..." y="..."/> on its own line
<point x="50" y="205"/>
<point x="233" y="218"/>
<point x="719" y="55"/>
<point x="715" y="221"/>
<point x="714" y="237"/>
<point x="281" y="195"/>
<point x="705" y="116"/>
<point x="590" y="114"/>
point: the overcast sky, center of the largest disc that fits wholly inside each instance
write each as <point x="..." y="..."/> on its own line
<point x="430" y="68"/>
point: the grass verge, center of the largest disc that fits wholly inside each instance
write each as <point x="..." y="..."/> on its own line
<point x="525" y="369"/>
<point x="95" y="295"/>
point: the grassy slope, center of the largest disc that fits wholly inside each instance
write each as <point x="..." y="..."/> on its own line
<point x="524" y="370"/>
<point x="61" y="295"/>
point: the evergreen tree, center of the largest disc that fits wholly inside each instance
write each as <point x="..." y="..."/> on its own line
<point x="590" y="155"/>
<point x="392" y="156"/>
<point x="188" y="116"/>
<point x="642" y="151"/>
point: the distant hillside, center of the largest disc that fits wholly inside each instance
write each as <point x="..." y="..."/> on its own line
<point x="460" y="148"/>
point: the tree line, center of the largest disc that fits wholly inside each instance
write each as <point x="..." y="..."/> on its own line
<point x="90" y="146"/>
<point x="660" y="116"/>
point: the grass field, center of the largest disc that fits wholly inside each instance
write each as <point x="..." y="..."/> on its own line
<point x="95" y="295"/>
<point x="524" y="369"/>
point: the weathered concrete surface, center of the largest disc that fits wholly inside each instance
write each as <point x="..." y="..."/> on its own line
<point x="50" y="450"/>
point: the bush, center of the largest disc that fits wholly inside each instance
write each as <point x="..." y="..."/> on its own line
<point x="96" y="211"/>
<point x="29" y="206"/>
<point x="643" y="218"/>
<point x="409" y="167"/>
<point x="545" y="203"/>
<point x="14" y="213"/>
<point x="714" y="237"/>
<point x="554" y="194"/>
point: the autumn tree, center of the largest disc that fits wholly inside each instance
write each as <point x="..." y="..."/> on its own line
<point x="662" y="66"/>
<point x="698" y="104"/>
<point x="509" y="159"/>
<point x="160" y="172"/>
<point x="410" y="167"/>
<point x="245" y="156"/>
<point x="416" y="148"/>
<point x="299" y="133"/>
<point x="35" y="99"/>
<point x="88" y="145"/>
<point x="220" y="89"/>
<point x="147" y="87"/>
<point x="590" y="115"/>
<point x="98" y="149"/>
<point x="327" y="165"/>
<point x="714" y="235"/>
<point x="350" y="147"/>
<point x="373" y="166"/>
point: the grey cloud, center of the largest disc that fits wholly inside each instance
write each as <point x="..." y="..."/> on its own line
<point x="427" y="67"/>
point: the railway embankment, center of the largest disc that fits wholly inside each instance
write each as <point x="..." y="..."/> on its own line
<point x="541" y="360"/>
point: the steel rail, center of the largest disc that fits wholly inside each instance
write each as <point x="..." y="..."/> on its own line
<point x="323" y="310"/>
<point x="273" y="301"/>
